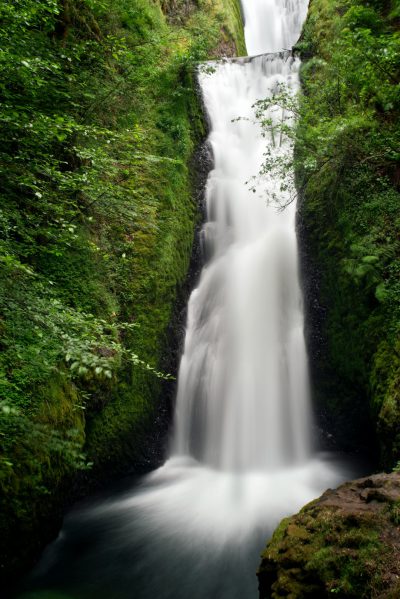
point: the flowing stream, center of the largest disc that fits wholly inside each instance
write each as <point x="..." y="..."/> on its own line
<point x="241" y="456"/>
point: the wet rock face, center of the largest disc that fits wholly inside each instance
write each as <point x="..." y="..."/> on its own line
<point x="344" y="544"/>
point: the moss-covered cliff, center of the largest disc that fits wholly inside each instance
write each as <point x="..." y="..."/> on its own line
<point x="100" y="119"/>
<point x="348" y="165"/>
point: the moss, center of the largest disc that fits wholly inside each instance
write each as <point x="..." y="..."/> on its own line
<point x="349" y="213"/>
<point x="385" y="382"/>
<point x="341" y="544"/>
<point x="126" y="235"/>
<point x="232" y="17"/>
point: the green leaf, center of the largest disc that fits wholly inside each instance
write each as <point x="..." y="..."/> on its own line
<point x="381" y="292"/>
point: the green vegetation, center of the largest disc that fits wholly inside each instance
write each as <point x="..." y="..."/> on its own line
<point x="347" y="168"/>
<point x="328" y="556"/>
<point x="343" y="544"/>
<point x="99" y="120"/>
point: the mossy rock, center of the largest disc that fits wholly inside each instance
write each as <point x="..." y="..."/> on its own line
<point x="344" y="544"/>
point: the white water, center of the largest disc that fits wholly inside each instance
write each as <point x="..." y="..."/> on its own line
<point x="242" y="456"/>
<point x="243" y="394"/>
<point x="272" y="25"/>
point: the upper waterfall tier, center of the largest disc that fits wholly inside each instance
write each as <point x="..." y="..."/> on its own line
<point x="272" y="25"/>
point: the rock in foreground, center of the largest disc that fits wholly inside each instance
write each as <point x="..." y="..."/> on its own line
<point x="344" y="544"/>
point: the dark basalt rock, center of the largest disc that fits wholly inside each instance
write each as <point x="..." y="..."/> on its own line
<point x="343" y="422"/>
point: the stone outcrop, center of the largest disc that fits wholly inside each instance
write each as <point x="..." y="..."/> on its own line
<point x="344" y="544"/>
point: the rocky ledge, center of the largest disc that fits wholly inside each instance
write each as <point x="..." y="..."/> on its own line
<point x="344" y="544"/>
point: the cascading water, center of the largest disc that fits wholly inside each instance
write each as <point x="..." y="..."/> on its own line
<point x="241" y="457"/>
<point x="243" y="393"/>
<point x="243" y="387"/>
<point x="272" y="25"/>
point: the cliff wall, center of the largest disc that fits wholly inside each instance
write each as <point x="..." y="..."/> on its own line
<point x="100" y="120"/>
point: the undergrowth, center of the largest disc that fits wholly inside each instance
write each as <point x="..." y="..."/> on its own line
<point x="347" y="162"/>
<point x="99" y="120"/>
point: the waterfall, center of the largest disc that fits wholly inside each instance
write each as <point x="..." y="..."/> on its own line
<point x="241" y="457"/>
<point x="272" y="25"/>
<point x="243" y="393"/>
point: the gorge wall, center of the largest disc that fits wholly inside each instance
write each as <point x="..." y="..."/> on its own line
<point x="346" y="543"/>
<point x="347" y="167"/>
<point x="100" y="121"/>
